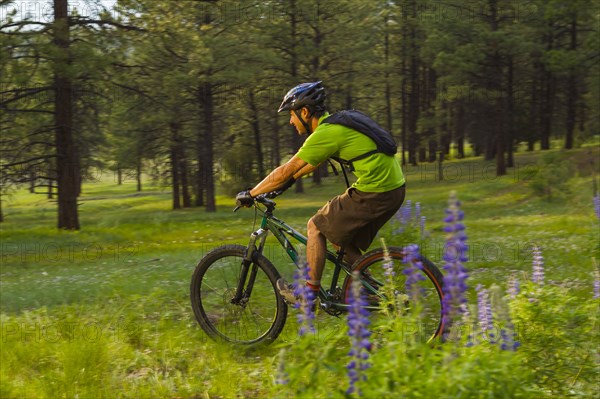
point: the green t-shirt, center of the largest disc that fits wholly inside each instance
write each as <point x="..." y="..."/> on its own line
<point x="376" y="173"/>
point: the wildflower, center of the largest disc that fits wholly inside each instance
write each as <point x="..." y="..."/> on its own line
<point x="538" y="266"/>
<point x="403" y="216"/>
<point x="406" y="212"/>
<point x="412" y="271"/>
<point x="454" y="254"/>
<point x="597" y="204"/>
<point x="422" y="226"/>
<point x="596" y="284"/>
<point x="470" y="341"/>
<point x="306" y="296"/>
<point x="507" y="339"/>
<point x="484" y="310"/>
<point x="359" y="333"/>
<point x="388" y="264"/>
<point x="417" y="212"/>
<point x="513" y="287"/>
<point x="282" y="376"/>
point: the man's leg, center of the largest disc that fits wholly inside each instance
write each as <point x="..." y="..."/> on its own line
<point x="351" y="253"/>
<point x="316" y="246"/>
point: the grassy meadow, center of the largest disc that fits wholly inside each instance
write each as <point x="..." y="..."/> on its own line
<point x="105" y="312"/>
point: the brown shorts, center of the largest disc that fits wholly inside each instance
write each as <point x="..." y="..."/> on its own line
<point x="355" y="216"/>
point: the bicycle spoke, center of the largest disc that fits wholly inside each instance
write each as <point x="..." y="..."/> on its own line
<point x="214" y="288"/>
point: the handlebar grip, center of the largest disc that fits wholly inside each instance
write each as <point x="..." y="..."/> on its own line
<point x="273" y="194"/>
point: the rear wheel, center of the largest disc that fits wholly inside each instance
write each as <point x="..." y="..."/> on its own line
<point x="423" y="295"/>
<point x="257" y="317"/>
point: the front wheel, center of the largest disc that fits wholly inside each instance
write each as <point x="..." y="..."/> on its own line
<point x="256" y="314"/>
<point x="421" y="296"/>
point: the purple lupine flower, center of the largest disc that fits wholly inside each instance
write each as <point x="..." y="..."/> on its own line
<point x="306" y="297"/>
<point x="484" y="311"/>
<point x="388" y="265"/>
<point x="358" y="322"/>
<point x="403" y="216"/>
<point x="454" y="256"/>
<point x="417" y="212"/>
<point x="538" y="266"/>
<point x="508" y="339"/>
<point x="413" y="270"/>
<point x="422" y="226"/>
<point x="513" y="287"/>
<point x="282" y="376"/>
<point x="597" y="204"/>
<point x="406" y="212"/>
<point x="596" y="284"/>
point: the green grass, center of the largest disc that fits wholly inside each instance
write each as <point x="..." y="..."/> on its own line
<point x="104" y="312"/>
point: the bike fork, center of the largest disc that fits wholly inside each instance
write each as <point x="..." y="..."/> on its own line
<point x="242" y="295"/>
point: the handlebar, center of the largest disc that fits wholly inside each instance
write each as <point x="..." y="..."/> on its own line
<point x="264" y="199"/>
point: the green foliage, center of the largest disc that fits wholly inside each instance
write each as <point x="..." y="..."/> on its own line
<point x="559" y="335"/>
<point x="552" y="176"/>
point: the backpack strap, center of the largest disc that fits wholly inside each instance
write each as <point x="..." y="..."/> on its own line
<point x="342" y="162"/>
<point x="349" y="162"/>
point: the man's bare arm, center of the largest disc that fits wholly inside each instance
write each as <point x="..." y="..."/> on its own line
<point x="305" y="170"/>
<point x="279" y="175"/>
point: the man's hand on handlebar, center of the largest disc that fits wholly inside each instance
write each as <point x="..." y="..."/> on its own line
<point x="243" y="198"/>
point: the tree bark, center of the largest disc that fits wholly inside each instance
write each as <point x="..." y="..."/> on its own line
<point x="183" y="174"/>
<point x="175" y="166"/>
<point x="547" y="99"/>
<point x="207" y="158"/>
<point x="571" y="91"/>
<point x="138" y="173"/>
<point x="510" y="112"/>
<point x="296" y="141"/>
<point x="66" y="162"/>
<point x="459" y="129"/>
<point x="258" y="151"/>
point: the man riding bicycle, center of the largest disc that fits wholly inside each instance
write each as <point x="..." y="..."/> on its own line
<point x="351" y="220"/>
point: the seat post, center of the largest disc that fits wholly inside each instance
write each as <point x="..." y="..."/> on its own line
<point x="336" y="271"/>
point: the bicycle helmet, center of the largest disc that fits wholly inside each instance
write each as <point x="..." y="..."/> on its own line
<point x="305" y="94"/>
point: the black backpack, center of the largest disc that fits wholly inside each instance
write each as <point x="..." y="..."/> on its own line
<point x="362" y="123"/>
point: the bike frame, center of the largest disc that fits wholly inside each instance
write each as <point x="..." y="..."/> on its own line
<point x="282" y="231"/>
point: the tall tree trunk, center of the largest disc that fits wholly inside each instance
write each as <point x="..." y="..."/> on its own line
<point x="297" y="140"/>
<point x="413" y="98"/>
<point x="66" y="162"/>
<point x="572" y="91"/>
<point x="388" y="88"/>
<point x="497" y="112"/>
<point x="441" y="166"/>
<point x="183" y="174"/>
<point x="200" y="179"/>
<point x="258" y="151"/>
<point x="207" y="158"/>
<point x="459" y="129"/>
<point x="175" y="181"/>
<point x="276" y="145"/>
<point x="548" y="88"/>
<point x="404" y="95"/>
<point x="534" y="108"/>
<point x="138" y="173"/>
<point x="50" y="193"/>
<point x="510" y="108"/>
<point x="404" y="120"/>
<point x="547" y="109"/>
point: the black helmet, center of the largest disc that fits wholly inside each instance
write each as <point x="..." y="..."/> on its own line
<point x="303" y="95"/>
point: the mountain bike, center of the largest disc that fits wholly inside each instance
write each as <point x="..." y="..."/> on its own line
<point x="235" y="299"/>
